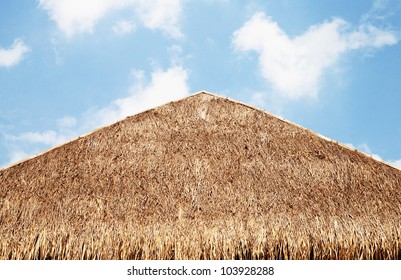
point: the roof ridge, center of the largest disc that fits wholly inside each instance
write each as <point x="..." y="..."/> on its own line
<point x="100" y="128"/>
<point x="299" y="126"/>
<point x="214" y="95"/>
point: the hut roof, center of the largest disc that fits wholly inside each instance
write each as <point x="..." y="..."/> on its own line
<point x="204" y="177"/>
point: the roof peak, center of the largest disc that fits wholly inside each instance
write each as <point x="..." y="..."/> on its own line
<point x="209" y="96"/>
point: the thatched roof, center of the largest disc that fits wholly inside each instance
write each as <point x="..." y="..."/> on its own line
<point x="204" y="177"/>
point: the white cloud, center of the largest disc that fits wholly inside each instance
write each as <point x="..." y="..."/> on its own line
<point x="28" y="144"/>
<point x="368" y="35"/>
<point x="295" y="66"/>
<point x="16" y="156"/>
<point x="258" y="99"/>
<point x="160" y="14"/>
<point x="49" y="138"/>
<point x="123" y="27"/>
<point x="349" y="145"/>
<point x="67" y="122"/>
<point x="12" y="56"/>
<point x="396" y="163"/>
<point x="163" y="87"/>
<point x="76" y="16"/>
<point x="366" y="149"/>
<point x="379" y="11"/>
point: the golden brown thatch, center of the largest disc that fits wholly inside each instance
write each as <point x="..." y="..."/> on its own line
<point x="201" y="178"/>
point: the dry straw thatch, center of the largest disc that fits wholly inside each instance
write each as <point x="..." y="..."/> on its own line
<point x="200" y="178"/>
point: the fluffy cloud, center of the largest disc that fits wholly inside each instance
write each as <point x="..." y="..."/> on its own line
<point x="160" y="14"/>
<point x="163" y="87"/>
<point x="12" y="56"/>
<point x="294" y="66"/>
<point x="76" y="16"/>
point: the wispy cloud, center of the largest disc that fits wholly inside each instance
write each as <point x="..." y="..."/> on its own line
<point x="396" y="163"/>
<point x="294" y="67"/>
<point x="378" y="12"/>
<point x="366" y="149"/>
<point x="13" y="55"/>
<point x="48" y="138"/>
<point x="76" y="16"/>
<point x="16" y="156"/>
<point x="163" y="86"/>
<point x="123" y="27"/>
<point x="67" y="122"/>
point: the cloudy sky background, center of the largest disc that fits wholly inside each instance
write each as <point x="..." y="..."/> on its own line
<point x="70" y="66"/>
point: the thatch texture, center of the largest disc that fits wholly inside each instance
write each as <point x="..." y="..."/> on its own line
<point x="201" y="178"/>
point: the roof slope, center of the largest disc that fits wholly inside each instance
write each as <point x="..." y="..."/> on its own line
<point x="174" y="181"/>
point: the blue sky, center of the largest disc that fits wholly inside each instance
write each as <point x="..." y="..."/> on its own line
<point x="70" y="66"/>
